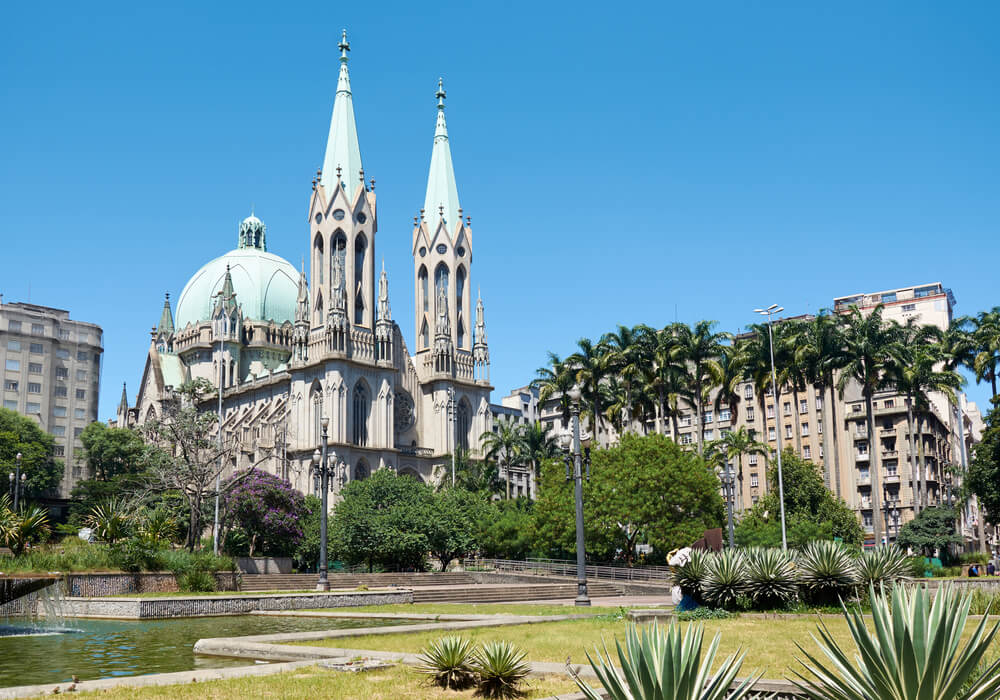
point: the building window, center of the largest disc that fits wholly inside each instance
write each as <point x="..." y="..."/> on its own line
<point x="750" y="415"/>
<point x="889" y="403"/>
<point x="464" y="421"/>
<point x="857" y="408"/>
<point x="33" y="408"/>
<point x="12" y="405"/>
<point x="37" y="329"/>
<point x="819" y="403"/>
<point x="81" y="375"/>
<point x="819" y="427"/>
<point x="686" y="439"/>
<point x="14" y="326"/>
<point x="707" y="418"/>
<point x="748" y="392"/>
<point x="807" y="452"/>
<point x="909" y="307"/>
<point x="59" y="411"/>
<point x="866" y="518"/>
<point x="771" y="433"/>
<point x="34" y="388"/>
<point x="79" y="413"/>
<point x="14" y="345"/>
<point x="725" y="414"/>
<point x="63" y="334"/>
<point x="803" y="406"/>
<point x="59" y="451"/>
<point x="754" y="481"/>
<point x="723" y="432"/>
<point x="34" y="367"/>
<point x="82" y="356"/>
<point x="62" y="354"/>
<point x="788" y="432"/>
<point x="752" y="459"/>
<point x="14" y="365"/>
<point x="805" y="428"/>
<point x="36" y="349"/>
<point x="787" y="408"/>
<point x="10" y="385"/>
<point x="60" y="392"/>
<point x="360" y="414"/>
<point x="77" y="431"/>
<point x="685" y="419"/>
<point x="59" y="430"/>
<point x="707" y="435"/>
<point x="770" y="411"/>
<point x="80" y="393"/>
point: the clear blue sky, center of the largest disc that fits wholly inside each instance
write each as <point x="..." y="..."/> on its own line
<point x="624" y="162"/>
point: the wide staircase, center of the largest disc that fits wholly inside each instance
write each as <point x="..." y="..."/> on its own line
<point x="507" y="592"/>
<point x="307" y="582"/>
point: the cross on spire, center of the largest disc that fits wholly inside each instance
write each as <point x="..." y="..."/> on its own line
<point x="440" y="94"/>
<point x="344" y="46"/>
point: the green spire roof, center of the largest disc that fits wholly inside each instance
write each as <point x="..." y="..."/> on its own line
<point x="342" y="149"/>
<point x="166" y="326"/>
<point x="442" y="192"/>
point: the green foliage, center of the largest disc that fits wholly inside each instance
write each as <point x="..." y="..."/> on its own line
<point x="704" y="613"/>
<point x="158" y="527"/>
<point x="505" y="529"/>
<point x="111" y="520"/>
<point x="770" y="578"/>
<point x="725" y="582"/>
<point x="307" y="552"/>
<point x="135" y="554"/>
<point x="449" y="662"/>
<point x="826" y="572"/>
<point x="932" y="530"/>
<point x="22" y="528"/>
<point x="666" y="665"/>
<point x="984" y="471"/>
<point x="974" y="558"/>
<point x="983" y="600"/>
<point x="264" y="512"/>
<point x="644" y="490"/>
<point x="196" y="582"/>
<point x="882" y="567"/>
<point x="690" y="575"/>
<point x="112" y="452"/>
<point x="912" y="651"/>
<point x="21" y="434"/>
<point x="449" y="525"/>
<point x="501" y="669"/>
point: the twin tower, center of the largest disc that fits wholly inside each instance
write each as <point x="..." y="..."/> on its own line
<point x="450" y="341"/>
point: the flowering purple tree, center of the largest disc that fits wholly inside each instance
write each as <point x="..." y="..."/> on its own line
<point x="262" y="513"/>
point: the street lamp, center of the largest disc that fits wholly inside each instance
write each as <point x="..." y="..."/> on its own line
<point x="581" y="562"/>
<point x="454" y="435"/>
<point x="17" y="480"/>
<point x="319" y="459"/>
<point x="728" y="480"/>
<point x="769" y="312"/>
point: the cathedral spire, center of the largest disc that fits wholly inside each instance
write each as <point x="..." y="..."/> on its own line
<point x="123" y="404"/>
<point x="166" y="325"/>
<point x="342" y="162"/>
<point x="441" y="200"/>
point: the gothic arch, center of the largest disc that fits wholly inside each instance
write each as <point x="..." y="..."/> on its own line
<point x="463" y="423"/>
<point x="360" y="253"/>
<point x="361" y="402"/>
<point x="422" y="280"/>
<point x="316" y="409"/>
<point x="425" y="336"/>
<point x="151" y="414"/>
<point x="338" y="250"/>
<point x="318" y="257"/>
<point x="362" y="470"/>
<point x="412" y="473"/>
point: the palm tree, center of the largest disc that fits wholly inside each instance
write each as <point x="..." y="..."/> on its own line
<point x="756" y="361"/>
<point x="590" y="366"/>
<point x="871" y="348"/>
<point x="554" y="382"/>
<point x="699" y="347"/>
<point x="628" y="351"/>
<point x="819" y="349"/>
<point x="734" y="445"/>
<point x="986" y="336"/>
<point x="731" y="377"/>
<point x="666" y="379"/>
<point x="792" y="372"/>
<point x="538" y="446"/>
<point x="504" y="444"/>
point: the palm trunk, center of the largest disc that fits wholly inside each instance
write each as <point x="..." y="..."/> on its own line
<point x="914" y="473"/>
<point x="836" y="442"/>
<point x="873" y="469"/>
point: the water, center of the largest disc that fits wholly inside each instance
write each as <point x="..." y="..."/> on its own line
<point x="108" y="648"/>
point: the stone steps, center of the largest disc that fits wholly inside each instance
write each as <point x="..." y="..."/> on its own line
<point x="307" y="582"/>
<point x="510" y="593"/>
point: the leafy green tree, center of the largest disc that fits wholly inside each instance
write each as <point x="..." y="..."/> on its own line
<point x="505" y="444"/>
<point x="733" y="446"/>
<point x="933" y="529"/>
<point x="984" y="472"/>
<point x="986" y="339"/>
<point x="450" y="526"/>
<point x="111" y="452"/>
<point x="476" y="475"/>
<point x="505" y="529"/>
<point x="644" y="490"/>
<point x="307" y="551"/>
<point x="811" y="511"/>
<point x="21" y="434"/>
<point x="382" y="521"/>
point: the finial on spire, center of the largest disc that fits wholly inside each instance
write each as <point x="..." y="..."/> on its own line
<point x="338" y="172"/>
<point x="343" y="46"/>
<point x="440" y="94"/>
<point x="361" y="173"/>
<point x="373" y="184"/>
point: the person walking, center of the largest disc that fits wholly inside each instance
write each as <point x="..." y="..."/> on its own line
<point x="991" y="569"/>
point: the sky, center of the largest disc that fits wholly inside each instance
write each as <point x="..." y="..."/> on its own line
<point x="622" y="163"/>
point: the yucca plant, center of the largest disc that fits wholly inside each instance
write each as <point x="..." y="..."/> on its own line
<point x="449" y="662"/>
<point x="826" y="571"/>
<point x="882" y="566"/>
<point x="690" y="575"/>
<point x="912" y="651"/>
<point x="158" y="527"/>
<point x="111" y="520"/>
<point x="18" y="530"/>
<point x="500" y="669"/>
<point x="725" y="579"/>
<point x="666" y="664"/>
<point x="770" y="577"/>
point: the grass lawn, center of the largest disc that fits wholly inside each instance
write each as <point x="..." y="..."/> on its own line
<point x="770" y="644"/>
<point x="473" y="609"/>
<point x="396" y="683"/>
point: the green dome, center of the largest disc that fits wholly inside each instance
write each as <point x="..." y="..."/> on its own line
<point x="266" y="287"/>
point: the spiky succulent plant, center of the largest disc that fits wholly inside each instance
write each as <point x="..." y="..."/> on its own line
<point x="725" y="580"/>
<point x="770" y="577"/>
<point x="826" y="571"/>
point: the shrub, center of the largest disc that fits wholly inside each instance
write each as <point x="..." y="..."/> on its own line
<point x="690" y="575"/>
<point x="704" y="613"/>
<point x="659" y="664"/>
<point x="501" y="669"/>
<point x="770" y="577"/>
<point x="912" y="652"/>
<point x="196" y="581"/>
<point x="135" y="554"/>
<point x="449" y="662"/>
<point x="23" y="528"/>
<point x="111" y="520"/>
<point x="881" y="567"/>
<point x="974" y="558"/>
<point x="918" y="566"/>
<point x="725" y="579"/>
<point x="826" y="572"/>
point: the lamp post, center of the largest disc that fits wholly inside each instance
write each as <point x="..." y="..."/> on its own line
<point x="17" y="480"/>
<point x="728" y="479"/>
<point x="581" y="561"/>
<point x="452" y="427"/>
<point x="319" y="459"/>
<point x="769" y="312"/>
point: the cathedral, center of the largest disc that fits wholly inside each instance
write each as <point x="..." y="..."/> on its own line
<point x="288" y="352"/>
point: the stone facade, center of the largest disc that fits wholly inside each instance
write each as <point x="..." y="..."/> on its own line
<point x="287" y="357"/>
<point x="109" y="584"/>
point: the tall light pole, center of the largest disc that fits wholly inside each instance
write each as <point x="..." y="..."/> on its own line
<point x="319" y="459"/>
<point x="454" y="431"/>
<point x="728" y="480"/>
<point x="769" y="312"/>
<point x="17" y="480"/>
<point x="223" y="332"/>
<point x="581" y="561"/>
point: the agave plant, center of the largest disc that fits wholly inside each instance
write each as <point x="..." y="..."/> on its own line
<point x="158" y="527"/>
<point x="826" y="571"/>
<point x="18" y="530"/>
<point x="725" y="579"/>
<point x="448" y="661"/>
<point x="690" y="575"/>
<point x="770" y="577"/>
<point x="501" y="668"/>
<point x="666" y="664"/>
<point x="912" y="651"/>
<point x="111" y="520"/>
<point x="882" y="567"/>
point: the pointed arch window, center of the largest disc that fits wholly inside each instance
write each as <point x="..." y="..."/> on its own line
<point x="361" y="471"/>
<point x="338" y="253"/>
<point x="316" y="401"/>
<point x="460" y="304"/>
<point x="318" y="257"/>
<point x="360" y="248"/>
<point x="361" y="406"/>
<point x="464" y="423"/>
<point x="425" y="337"/>
<point x="422" y="277"/>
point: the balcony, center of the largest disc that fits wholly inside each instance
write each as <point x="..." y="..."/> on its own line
<point x="864" y="481"/>
<point x="861" y="457"/>
<point x="889" y="453"/>
<point x="892" y="478"/>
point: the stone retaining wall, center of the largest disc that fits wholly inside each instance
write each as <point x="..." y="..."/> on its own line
<point x="108" y="584"/>
<point x="206" y="606"/>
